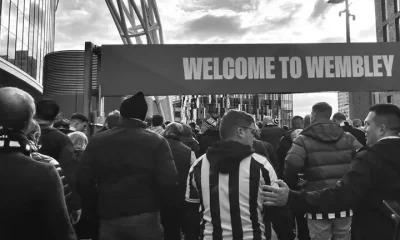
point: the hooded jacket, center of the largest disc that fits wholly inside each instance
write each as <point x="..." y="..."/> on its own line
<point x="240" y="162"/>
<point x="324" y="151"/>
<point x="374" y="176"/>
<point x="225" y="156"/>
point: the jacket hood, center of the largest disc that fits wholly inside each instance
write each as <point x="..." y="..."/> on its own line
<point x="225" y="156"/>
<point x="324" y="131"/>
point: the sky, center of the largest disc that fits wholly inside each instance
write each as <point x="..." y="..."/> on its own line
<point x="227" y="21"/>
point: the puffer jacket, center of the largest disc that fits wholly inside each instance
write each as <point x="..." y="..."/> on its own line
<point x="324" y="151"/>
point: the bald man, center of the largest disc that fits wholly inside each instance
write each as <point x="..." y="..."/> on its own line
<point x="32" y="198"/>
<point x="183" y="157"/>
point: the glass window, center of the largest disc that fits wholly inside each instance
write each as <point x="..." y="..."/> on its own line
<point x="37" y="13"/>
<point x="35" y="43"/>
<point x="34" y="66"/>
<point x="15" y="2"/>
<point x="25" y="37"/>
<point x="20" y="25"/>
<point x="21" y="5"/>
<point x="11" y="48"/>
<point x="5" y="13"/>
<point x="30" y="36"/>
<point x="13" y="18"/>
<point x="24" y="56"/>
<point x="18" y="54"/>
<point x="397" y="5"/>
<point x="30" y="58"/>
<point x="32" y="12"/>
<point x="27" y="8"/>
<point x="3" y="42"/>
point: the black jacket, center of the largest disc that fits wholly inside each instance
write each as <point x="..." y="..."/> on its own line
<point x="272" y="134"/>
<point x="207" y="139"/>
<point x="360" y="135"/>
<point x="374" y="176"/>
<point x="267" y="150"/>
<point x="66" y="188"/>
<point x="182" y="155"/>
<point x="131" y="168"/>
<point x="60" y="147"/>
<point x="285" y="143"/>
<point x="32" y="204"/>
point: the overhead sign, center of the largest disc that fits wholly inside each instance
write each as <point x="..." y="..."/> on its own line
<point x="254" y="68"/>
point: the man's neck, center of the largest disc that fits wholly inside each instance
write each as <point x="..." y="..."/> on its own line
<point x="45" y="123"/>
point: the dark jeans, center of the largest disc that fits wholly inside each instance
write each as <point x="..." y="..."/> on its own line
<point x="302" y="227"/>
<point x="145" y="226"/>
<point x="173" y="222"/>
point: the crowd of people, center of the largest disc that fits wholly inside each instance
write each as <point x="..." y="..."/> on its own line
<point x="324" y="177"/>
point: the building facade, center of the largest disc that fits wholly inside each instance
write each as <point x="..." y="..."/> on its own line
<point x="343" y="103"/>
<point x="27" y="31"/>
<point x="387" y="30"/>
<point x="189" y="108"/>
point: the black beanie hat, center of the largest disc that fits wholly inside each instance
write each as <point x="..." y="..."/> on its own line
<point x="134" y="107"/>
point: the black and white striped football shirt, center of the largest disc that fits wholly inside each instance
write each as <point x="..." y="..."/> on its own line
<point x="231" y="203"/>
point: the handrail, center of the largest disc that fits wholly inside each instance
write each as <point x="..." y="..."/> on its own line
<point x="392" y="210"/>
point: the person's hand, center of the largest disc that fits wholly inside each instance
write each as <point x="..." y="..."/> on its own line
<point x="275" y="196"/>
<point x="75" y="216"/>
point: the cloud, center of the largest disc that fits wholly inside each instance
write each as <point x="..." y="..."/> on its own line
<point x="214" y="26"/>
<point x="289" y="10"/>
<point x="321" y="7"/>
<point x="232" y="5"/>
<point x="302" y="103"/>
<point x="84" y="20"/>
<point x="336" y="39"/>
<point x="226" y="21"/>
<point x="368" y="32"/>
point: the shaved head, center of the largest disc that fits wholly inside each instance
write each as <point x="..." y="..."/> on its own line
<point x="17" y="108"/>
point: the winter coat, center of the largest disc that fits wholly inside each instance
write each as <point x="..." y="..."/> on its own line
<point x="193" y="145"/>
<point x="267" y="150"/>
<point x="324" y="152"/>
<point x="207" y="139"/>
<point x="374" y="176"/>
<point x="49" y="160"/>
<point x="131" y="168"/>
<point x="182" y="156"/>
<point x="285" y="143"/>
<point x="60" y="147"/>
<point x="272" y="134"/>
<point x="32" y="204"/>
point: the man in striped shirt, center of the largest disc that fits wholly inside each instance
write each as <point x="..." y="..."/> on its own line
<point x="225" y="184"/>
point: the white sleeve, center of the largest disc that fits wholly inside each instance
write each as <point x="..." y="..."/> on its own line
<point x="192" y="158"/>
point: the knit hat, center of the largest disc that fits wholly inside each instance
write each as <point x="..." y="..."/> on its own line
<point x="276" y="121"/>
<point x="134" y="107"/>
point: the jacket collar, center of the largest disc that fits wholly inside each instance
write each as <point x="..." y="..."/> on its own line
<point x="173" y="137"/>
<point x="132" y="123"/>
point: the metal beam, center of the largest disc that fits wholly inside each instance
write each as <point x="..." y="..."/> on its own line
<point x="87" y="82"/>
<point x="142" y="22"/>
